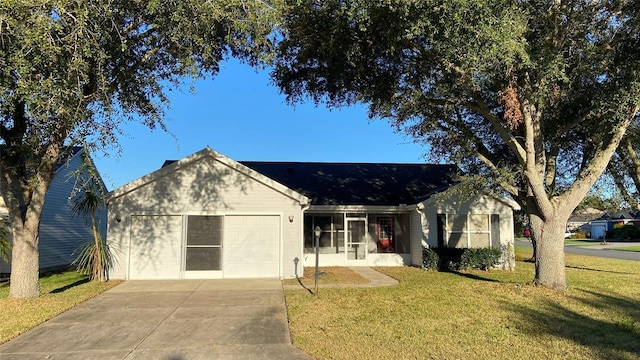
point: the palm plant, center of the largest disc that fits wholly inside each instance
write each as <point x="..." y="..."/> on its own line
<point x="93" y="258"/>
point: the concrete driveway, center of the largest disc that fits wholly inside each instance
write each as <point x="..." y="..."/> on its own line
<point x="172" y="320"/>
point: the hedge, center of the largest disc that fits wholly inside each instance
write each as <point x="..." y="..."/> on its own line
<point x="444" y="259"/>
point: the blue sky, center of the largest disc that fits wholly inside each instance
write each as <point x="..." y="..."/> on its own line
<point x="241" y="115"/>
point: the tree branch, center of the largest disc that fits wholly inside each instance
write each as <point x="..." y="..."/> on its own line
<point x="533" y="173"/>
<point x="590" y="174"/>
<point x="481" y="152"/>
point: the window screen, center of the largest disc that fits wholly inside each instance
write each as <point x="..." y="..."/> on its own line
<point x="204" y="243"/>
<point x="467" y="230"/>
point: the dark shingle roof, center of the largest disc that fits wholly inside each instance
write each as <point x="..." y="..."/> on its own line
<point x="620" y="215"/>
<point x="359" y="183"/>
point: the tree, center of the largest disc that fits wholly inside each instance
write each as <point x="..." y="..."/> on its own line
<point x="530" y="96"/>
<point x="74" y="70"/>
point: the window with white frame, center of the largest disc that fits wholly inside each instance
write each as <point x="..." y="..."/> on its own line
<point x="468" y="230"/>
<point x="331" y="237"/>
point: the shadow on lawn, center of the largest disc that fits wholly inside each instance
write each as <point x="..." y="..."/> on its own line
<point x="609" y="338"/>
<point x="472" y="276"/>
<point x="600" y="270"/>
<point x="69" y="286"/>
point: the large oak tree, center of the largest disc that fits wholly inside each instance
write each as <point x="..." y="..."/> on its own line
<point x="532" y="96"/>
<point x="73" y="70"/>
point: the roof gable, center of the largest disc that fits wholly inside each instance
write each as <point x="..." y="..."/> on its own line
<point x="384" y="184"/>
<point x="172" y="166"/>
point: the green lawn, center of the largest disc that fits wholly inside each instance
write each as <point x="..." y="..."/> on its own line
<point x="626" y="248"/>
<point x="60" y="292"/>
<point x="327" y="275"/>
<point x="582" y="242"/>
<point x="476" y="315"/>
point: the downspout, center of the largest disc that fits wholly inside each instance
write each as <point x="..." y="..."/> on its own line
<point x="418" y="247"/>
<point x="303" y="208"/>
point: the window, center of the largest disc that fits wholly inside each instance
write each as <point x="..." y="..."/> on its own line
<point x="468" y="230"/>
<point x="204" y="243"/>
<point x="332" y="236"/>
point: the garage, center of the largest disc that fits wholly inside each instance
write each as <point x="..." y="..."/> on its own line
<point x="251" y="246"/>
<point x="205" y="217"/>
<point x="156" y="247"/>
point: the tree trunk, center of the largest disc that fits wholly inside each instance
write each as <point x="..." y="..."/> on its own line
<point x="535" y="222"/>
<point x="25" y="211"/>
<point x="25" y="262"/>
<point x="550" y="265"/>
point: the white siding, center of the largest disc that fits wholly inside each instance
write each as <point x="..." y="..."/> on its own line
<point x="479" y="205"/>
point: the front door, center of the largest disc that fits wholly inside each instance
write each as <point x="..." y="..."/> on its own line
<point x="356" y="241"/>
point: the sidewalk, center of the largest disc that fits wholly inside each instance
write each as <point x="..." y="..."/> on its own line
<point x="375" y="278"/>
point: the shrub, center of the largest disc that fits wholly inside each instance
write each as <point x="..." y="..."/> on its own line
<point x="480" y="258"/>
<point x="449" y="258"/>
<point x="430" y="259"/>
<point x="628" y="231"/>
<point x="579" y="235"/>
<point x="456" y="258"/>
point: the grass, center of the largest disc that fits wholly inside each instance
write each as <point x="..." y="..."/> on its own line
<point x="476" y="315"/>
<point x="328" y="275"/>
<point x="582" y="242"/>
<point x="626" y="248"/>
<point x="59" y="292"/>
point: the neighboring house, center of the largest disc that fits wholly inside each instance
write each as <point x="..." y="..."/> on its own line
<point x="601" y="225"/>
<point x="60" y="232"/>
<point x="580" y="220"/>
<point x="208" y="216"/>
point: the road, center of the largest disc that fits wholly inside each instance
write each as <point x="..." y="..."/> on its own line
<point x="604" y="251"/>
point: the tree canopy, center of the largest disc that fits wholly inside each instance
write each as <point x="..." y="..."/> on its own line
<point x="72" y="71"/>
<point x="532" y="95"/>
<point x="624" y="168"/>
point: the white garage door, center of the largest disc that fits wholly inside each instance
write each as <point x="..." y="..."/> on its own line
<point x="156" y="247"/>
<point x="251" y="246"/>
